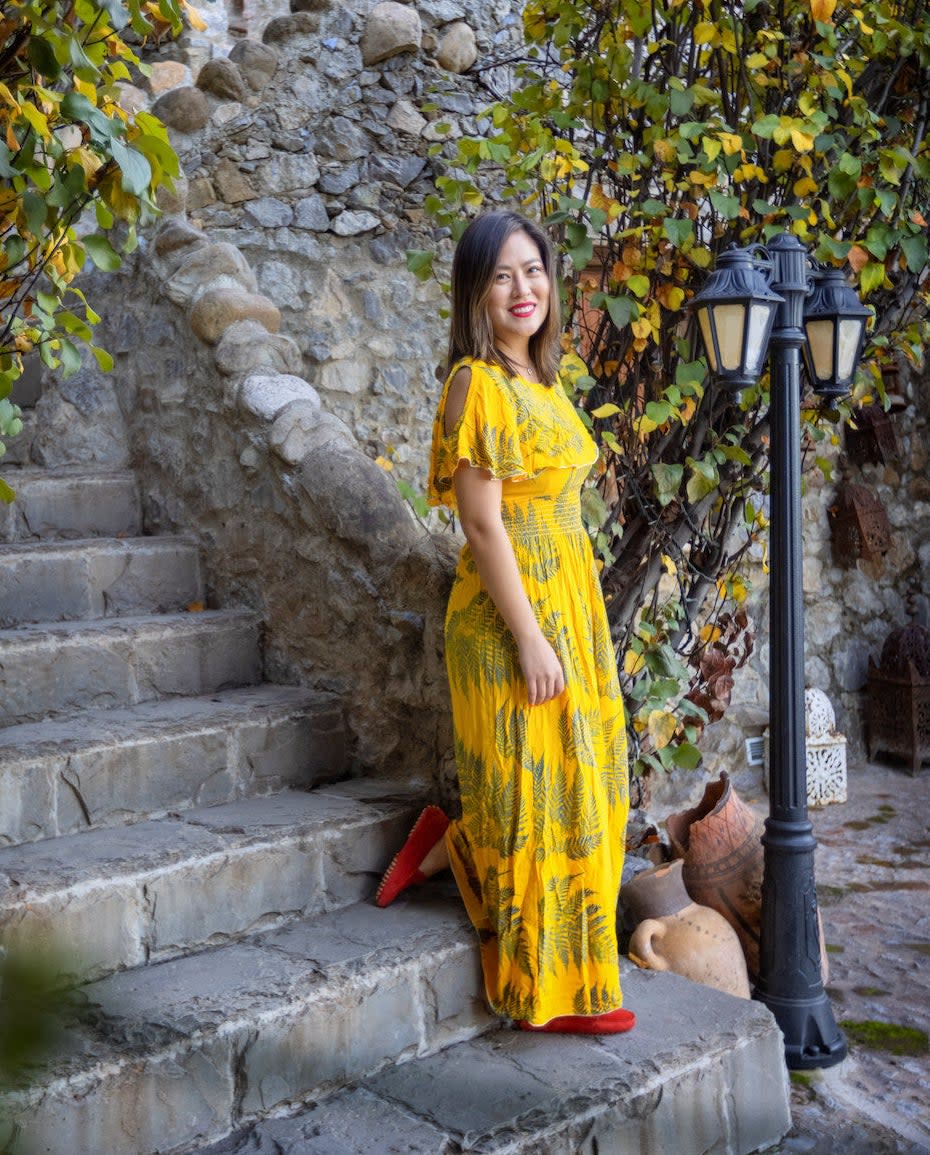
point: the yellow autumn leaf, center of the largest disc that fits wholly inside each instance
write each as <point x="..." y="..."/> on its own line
<point x="711" y="147"/>
<point x="668" y="565"/>
<point x="804" y="186"/>
<point x="710" y="633"/>
<point x="194" y="18"/>
<point x="664" y="151"/>
<point x="641" y="327"/>
<point x="802" y="141"/>
<point x="643" y="426"/>
<point x="632" y="663"/>
<point x="661" y="726"/>
<point x="728" y="41"/>
<point x="731" y="141"/>
<point x="386" y="464"/>
<point x="705" y="32"/>
<point x="707" y="179"/>
<point x="7" y="96"/>
<point x="823" y="10"/>
<point x="860" y="17"/>
<point x="783" y="159"/>
<point x="606" y="410"/>
<point x="671" y="296"/>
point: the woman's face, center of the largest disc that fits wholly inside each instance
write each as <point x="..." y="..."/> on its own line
<point x="518" y="303"/>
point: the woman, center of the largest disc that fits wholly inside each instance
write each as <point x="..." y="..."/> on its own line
<point x="540" y="738"/>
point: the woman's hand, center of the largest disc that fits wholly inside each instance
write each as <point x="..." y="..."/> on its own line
<point x="542" y="670"/>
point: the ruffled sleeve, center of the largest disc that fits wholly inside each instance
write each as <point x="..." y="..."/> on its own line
<point x="487" y="435"/>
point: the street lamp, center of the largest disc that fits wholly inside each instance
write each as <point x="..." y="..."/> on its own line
<point x="777" y="278"/>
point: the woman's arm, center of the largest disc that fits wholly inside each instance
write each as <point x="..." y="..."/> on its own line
<point x="479" y="501"/>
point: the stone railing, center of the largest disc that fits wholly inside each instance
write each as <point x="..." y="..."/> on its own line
<point x="232" y="444"/>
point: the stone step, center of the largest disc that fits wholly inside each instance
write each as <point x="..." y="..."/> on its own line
<point x="70" y="503"/>
<point x="48" y="670"/>
<point x="181" y="1053"/>
<point x="97" y="578"/>
<point x="123" y="896"/>
<point x="701" y="1072"/>
<point x="108" y="767"/>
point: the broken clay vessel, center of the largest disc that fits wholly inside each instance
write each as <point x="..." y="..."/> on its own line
<point x="674" y="933"/>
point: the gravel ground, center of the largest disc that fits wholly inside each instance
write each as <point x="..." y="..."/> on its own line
<point x="873" y="880"/>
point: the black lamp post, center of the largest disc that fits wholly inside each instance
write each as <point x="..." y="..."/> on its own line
<point x="776" y="278"/>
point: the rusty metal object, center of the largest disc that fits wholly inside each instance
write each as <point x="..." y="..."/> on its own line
<point x="858" y="525"/>
<point x="870" y="438"/>
<point x="899" y="696"/>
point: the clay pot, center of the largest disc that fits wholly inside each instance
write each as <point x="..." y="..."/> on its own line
<point x="720" y="844"/>
<point x="674" y="933"/>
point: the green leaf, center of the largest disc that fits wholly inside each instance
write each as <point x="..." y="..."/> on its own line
<point x="74" y="106"/>
<point x="639" y="285"/>
<point x="42" y="57"/>
<point x="7" y="493"/>
<point x="103" y="358"/>
<point x="678" y="231"/>
<point x="35" y="209"/>
<point x="70" y="357"/>
<point x="680" y="102"/>
<point x="704" y="479"/>
<point x="102" y="253"/>
<point x="686" y="756"/>
<point x="420" y="263"/>
<point x="668" y="479"/>
<point x="621" y="310"/>
<point x="135" y="169"/>
<point x="872" y="276"/>
<point x="915" y="252"/>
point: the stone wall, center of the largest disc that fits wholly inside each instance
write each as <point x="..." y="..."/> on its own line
<point x="310" y="153"/>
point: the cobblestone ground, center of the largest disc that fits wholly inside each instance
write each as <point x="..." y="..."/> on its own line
<point x="873" y="883"/>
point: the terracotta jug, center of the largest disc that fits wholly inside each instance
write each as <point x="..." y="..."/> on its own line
<point x="674" y="933"/>
<point x="720" y="844"/>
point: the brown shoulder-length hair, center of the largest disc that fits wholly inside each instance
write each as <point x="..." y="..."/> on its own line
<point x="473" y="269"/>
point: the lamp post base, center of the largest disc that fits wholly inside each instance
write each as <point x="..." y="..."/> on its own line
<point x="812" y="1038"/>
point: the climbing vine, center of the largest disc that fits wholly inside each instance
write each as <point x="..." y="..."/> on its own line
<point x="648" y="137"/>
<point x="77" y="169"/>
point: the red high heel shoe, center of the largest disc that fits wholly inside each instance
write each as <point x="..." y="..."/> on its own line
<point x="611" y="1023"/>
<point x="405" y="870"/>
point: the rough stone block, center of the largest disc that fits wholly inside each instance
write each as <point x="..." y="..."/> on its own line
<point x="458" y="49"/>
<point x="233" y="893"/>
<point x="185" y="109"/>
<point x="46" y="586"/>
<point x="288" y="173"/>
<point x="75" y="505"/>
<point x="329" y="1041"/>
<point x="391" y="29"/>
<point x="257" y="63"/>
<point x="266" y="395"/>
<point x="247" y="345"/>
<point x="27" y="800"/>
<point x="222" y="77"/>
<point x="217" y="309"/>
<point x="204" y="265"/>
<point x="163" y="1103"/>
<point x="355" y="1123"/>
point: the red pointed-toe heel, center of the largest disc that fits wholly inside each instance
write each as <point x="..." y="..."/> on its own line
<point x="611" y="1023"/>
<point x="405" y="870"/>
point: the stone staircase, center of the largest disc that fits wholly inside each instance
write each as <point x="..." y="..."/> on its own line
<point x="182" y="835"/>
<point x="186" y="838"/>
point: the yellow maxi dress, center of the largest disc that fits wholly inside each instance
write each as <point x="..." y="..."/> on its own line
<point x="538" y="851"/>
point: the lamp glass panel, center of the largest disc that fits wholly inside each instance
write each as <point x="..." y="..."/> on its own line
<point x="759" y="314"/>
<point x="820" y="341"/>
<point x="847" y="347"/>
<point x="707" y="334"/>
<point x="729" y="321"/>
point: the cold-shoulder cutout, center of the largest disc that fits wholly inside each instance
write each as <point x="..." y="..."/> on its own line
<point x="504" y="425"/>
<point x="456" y="396"/>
